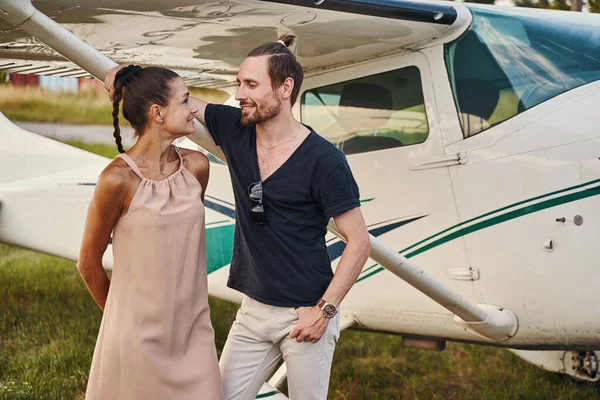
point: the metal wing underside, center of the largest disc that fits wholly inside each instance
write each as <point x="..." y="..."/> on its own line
<point x="205" y="41"/>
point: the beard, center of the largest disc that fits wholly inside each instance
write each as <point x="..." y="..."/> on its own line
<point x="262" y="114"/>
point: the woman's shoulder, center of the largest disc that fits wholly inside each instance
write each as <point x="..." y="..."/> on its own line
<point x="197" y="164"/>
<point x="115" y="176"/>
<point x="194" y="161"/>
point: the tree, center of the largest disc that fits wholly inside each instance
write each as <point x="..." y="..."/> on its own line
<point x="528" y="4"/>
<point x="594" y="6"/>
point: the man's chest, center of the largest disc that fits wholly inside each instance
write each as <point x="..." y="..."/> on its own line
<point x="271" y="161"/>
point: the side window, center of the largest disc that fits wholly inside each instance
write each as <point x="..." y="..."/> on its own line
<point x="370" y="113"/>
<point x="507" y="63"/>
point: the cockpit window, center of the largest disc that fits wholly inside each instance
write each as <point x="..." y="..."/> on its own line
<point x="370" y="113"/>
<point x="508" y="62"/>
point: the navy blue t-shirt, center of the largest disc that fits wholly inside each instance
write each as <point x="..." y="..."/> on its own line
<point x="283" y="262"/>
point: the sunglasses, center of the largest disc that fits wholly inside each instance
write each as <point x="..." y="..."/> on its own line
<point x="255" y="192"/>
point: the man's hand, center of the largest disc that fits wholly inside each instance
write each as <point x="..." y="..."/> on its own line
<point x="109" y="81"/>
<point x="311" y="325"/>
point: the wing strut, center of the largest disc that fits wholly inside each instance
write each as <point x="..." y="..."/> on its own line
<point x="487" y="320"/>
<point x="22" y="14"/>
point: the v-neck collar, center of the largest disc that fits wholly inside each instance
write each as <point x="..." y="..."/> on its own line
<point x="255" y="154"/>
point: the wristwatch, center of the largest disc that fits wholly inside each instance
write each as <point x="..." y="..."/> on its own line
<point x="329" y="310"/>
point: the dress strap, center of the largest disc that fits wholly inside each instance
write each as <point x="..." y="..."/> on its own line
<point x="132" y="165"/>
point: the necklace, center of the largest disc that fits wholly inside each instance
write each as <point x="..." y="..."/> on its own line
<point x="279" y="144"/>
<point x="152" y="165"/>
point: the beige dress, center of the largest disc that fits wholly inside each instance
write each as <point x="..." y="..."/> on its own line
<point x="156" y="340"/>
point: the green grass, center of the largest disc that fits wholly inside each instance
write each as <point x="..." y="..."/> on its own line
<point x="39" y="105"/>
<point x="105" y="150"/>
<point x="48" y="327"/>
<point x="34" y="104"/>
<point x="109" y="151"/>
<point x="377" y="366"/>
<point x="49" y="323"/>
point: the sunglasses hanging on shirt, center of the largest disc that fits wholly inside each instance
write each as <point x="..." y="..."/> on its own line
<point x="255" y="192"/>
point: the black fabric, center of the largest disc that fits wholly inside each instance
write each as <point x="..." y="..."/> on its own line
<point x="283" y="262"/>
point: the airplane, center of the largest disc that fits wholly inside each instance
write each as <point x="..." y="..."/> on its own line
<point x="470" y="130"/>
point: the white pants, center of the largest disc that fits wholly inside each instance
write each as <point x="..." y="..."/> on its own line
<point x="259" y="338"/>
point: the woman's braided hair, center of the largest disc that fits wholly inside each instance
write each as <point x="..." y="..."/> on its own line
<point x="139" y="88"/>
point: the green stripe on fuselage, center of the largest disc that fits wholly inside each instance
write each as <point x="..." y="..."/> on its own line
<point x="264" y="395"/>
<point x="529" y="209"/>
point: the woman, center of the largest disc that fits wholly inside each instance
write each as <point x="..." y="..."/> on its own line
<point x="156" y="340"/>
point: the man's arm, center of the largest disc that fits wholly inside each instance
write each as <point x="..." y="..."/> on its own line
<point x="201" y="104"/>
<point x="351" y="224"/>
<point x="202" y="136"/>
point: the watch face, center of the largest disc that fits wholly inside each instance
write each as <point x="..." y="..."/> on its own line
<point x="329" y="311"/>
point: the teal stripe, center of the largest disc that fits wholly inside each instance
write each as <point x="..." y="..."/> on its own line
<point x="543" y="205"/>
<point x="367" y="200"/>
<point x="220" y="242"/>
<point x="262" y="396"/>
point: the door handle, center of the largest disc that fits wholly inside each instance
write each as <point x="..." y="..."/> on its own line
<point x="440" y="162"/>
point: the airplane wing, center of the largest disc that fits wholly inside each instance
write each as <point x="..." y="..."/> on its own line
<point x="205" y="41"/>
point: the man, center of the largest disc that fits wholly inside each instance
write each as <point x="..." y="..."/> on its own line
<point x="287" y="181"/>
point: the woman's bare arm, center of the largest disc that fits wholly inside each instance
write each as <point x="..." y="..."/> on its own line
<point x="103" y="213"/>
